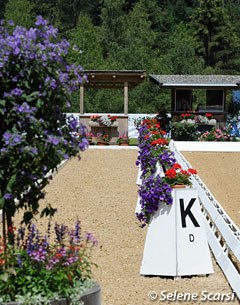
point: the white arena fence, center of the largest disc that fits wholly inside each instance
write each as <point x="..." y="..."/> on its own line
<point x="223" y="234"/>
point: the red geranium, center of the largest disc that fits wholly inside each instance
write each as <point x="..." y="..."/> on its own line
<point x="177" y="175"/>
<point x="159" y="142"/>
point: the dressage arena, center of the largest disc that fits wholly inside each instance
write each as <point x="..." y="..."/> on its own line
<point x="101" y="190"/>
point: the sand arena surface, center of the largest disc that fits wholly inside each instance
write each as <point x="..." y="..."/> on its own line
<point x="101" y="190"/>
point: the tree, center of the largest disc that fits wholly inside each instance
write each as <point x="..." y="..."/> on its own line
<point x="2" y="8"/>
<point x="35" y="84"/>
<point x="20" y="11"/>
<point x="87" y="41"/>
<point x="112" y="26"/>
<point x="217" y="39"/>
<point x="180" y="53"/>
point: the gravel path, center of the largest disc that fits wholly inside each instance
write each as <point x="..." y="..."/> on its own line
<point x="101" y="190"/>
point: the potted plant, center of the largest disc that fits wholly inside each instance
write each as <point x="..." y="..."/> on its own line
<point x="35" y="270"/>
<point x="90" y="136"/>
<point x="178" y="177"/>
<point x="103" y="139"/>
<point x="104" y="120"/>
<point x="123" y="140"/>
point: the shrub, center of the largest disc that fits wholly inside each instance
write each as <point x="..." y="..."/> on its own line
<point x="184" y="131"/>
<point x="35" y="83"/>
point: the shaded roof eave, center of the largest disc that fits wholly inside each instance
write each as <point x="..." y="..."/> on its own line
<point x="113" y="79"/>
<point x="197" y="81"/>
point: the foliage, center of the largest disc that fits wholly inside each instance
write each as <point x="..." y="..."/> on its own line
<point x="160" y="172"/>
<point x="233" y="124"/>
<point x="216" y="135"/>
<point x="20" y="12"/>
<point x="36" y="81"/>
<point x="152" y="151"/>
<point x="103" y="138"/>
<point x="181" y="52"/>
<point x="123" y="139"/>
<point x="35" y="267"/>
<point x="217" y="40"/>
<point x="161" y="37"/>
<point x="184" y="131"/>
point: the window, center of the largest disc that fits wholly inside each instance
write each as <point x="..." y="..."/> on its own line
<point x="183" y="100"/>
<point x="214" y="100"/>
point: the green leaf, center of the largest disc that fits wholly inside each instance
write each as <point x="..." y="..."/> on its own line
<point x="4" y="277"/>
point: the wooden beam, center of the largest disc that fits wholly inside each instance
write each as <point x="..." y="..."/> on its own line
<point x="81" y="99"/>
<point x="125" y="98"/>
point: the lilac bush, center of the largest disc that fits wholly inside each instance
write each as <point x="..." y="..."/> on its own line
<point x="35" y="82"/>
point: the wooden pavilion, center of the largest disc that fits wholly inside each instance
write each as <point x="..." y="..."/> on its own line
<point x="110" y="79"/>
<point x="211" y="98"/>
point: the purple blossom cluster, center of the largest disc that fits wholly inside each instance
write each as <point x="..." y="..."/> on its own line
<point x="153" y="191"/>
<point x="70" y="247"/>
<point x="58" y="261"/>
<point x="35" y="136"/>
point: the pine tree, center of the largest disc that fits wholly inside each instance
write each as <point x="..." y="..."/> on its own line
<point x="217" y="39"/>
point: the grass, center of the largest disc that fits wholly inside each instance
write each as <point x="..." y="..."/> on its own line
<point x="133" y="142"/>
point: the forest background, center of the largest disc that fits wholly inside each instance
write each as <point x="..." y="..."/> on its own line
<point x="158" y="36"/>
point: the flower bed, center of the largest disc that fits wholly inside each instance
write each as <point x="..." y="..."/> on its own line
<point x="156" y="188"/>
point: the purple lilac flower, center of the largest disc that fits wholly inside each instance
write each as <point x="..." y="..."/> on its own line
<point x="40" y="21"/>
<point x="53" y="140"/>
<point x="16" y="92"/>
<point x="8" y="196"/>
<point x="25" y="108"/>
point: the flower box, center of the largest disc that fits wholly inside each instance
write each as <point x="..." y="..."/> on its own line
<point x="96" y="124"/>
<point x="184" y="250"/>
<point x="91" y="297"/>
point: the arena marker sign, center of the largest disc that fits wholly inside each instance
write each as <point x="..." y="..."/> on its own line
<point x="176" y="242"/>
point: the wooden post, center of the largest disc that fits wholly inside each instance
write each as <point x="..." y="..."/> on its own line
<point x="125" y="98"/>
<point x="81" y="99"/>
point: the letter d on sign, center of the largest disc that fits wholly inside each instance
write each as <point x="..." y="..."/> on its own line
<point x="191" y="238"/>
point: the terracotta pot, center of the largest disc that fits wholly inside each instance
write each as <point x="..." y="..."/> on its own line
<point x="102" y="143"/>
<point x="123" y="144"/>
<point x="178" y="186"/>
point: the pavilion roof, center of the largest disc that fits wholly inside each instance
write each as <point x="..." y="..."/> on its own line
<point x="113" y="79"/>
<point x="197" y="81"/>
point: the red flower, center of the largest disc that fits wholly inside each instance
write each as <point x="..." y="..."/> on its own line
<point x="184" y="172"/>
<point x="159" y="142"/>
<point x="177" y="166"/>
<point x="208" y="115"/>
<point x="192" y="171"/>
<point x="171" y="173"/>
<point x="163" y="132"/>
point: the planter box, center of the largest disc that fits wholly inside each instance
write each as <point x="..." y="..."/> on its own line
<point x="176" y="241"/>
<point x="90" y="297"/>
<point x="96" y="124"/>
